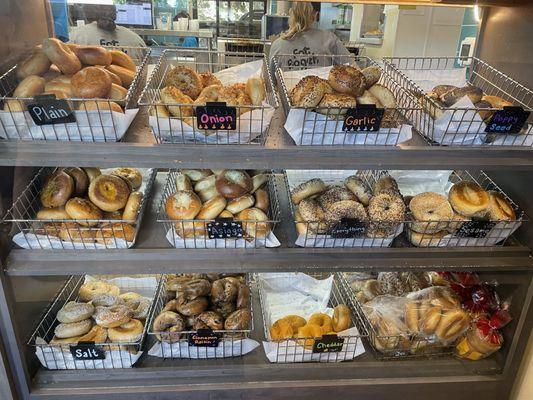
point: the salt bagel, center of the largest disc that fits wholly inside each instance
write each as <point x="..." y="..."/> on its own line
<point x="106" y="300"/>
<point x="341" y="318"/>
<point x="185" y="79"/>
<point x="128" y="332"/>
<point x="309" y="91"/>
<point x="97" y="334"/>
<point x="347" y="79"/>
<point x="469" y="199"/>
<point x="75" y="312"/>
<point x="61" y="56"/>
<point x="307" y="189"/>
<point x="431" y="212"/>
<point x="91" y="289"/>
<point x="109" y="192"/>
<point x="111" y="317"/>
<point x="139" y="307"/>
<point x="66" y="330"/>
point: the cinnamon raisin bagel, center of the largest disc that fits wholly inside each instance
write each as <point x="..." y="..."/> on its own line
<point x="347" y="79"/>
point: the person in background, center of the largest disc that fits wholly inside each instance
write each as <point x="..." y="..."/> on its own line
<point x="102" y="29"/>
<point x="303" y="41"/>
<point x="189" y="41"/>
<point x="60" y="14"/>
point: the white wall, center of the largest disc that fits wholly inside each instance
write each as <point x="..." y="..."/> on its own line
<point x="523" y="388"/>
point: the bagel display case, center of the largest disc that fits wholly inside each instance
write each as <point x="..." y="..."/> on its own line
<point x="210" y="335"/>
<point x="88" y="226"/>
<point x="235" y="221"/>
<point x="63" y="115"/>
<point x="288" y="295"/>
<point x="371" y="208"/>
<point x="93" y="350"/>
<point x="210" y="97"/>
<point x="322" y="107"/>
<point x="465" y="101"/>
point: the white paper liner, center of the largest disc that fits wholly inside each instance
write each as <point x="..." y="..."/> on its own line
<point x="47" y="242"/>
<point x="90" y="126"/>
<point x="250" y="125"/>
<point x="226" y="348"/>
<point x="59" y="357"/>
<point x="458" y="127"/>
<point x="205" y="243"/>
<point x="305" y="126"/>
<point x="300" y="294"/>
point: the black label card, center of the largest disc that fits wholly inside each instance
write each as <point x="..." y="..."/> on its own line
<point x="87" y="351"/>
<point x="328" y="344"/>
<point x="475" y="229"/>
<point x="204" y="338"/>
<point x="364" y="117"/>
<point x="47" y="110"/>
<point x="223" y="228"/>
<point x="216" y="116"/>
<point x="348" y="228"/>
<point x="508" y="120"/>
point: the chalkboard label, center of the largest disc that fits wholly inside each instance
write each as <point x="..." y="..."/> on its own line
<point x="328" y="344"/>
<point x="223" y="228"/>
<point x="364" y="117"/>
<point x="48" y="110"/>
<point x="348" y="228"/>
<point x="216" y="116"/>
<point x="508" y="120"/>
<point x="475" y="229"/>
<point x="204" y="338"/>
<point x="87" y="351"/>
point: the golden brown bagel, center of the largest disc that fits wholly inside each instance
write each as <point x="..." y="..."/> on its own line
<point x="91" y="83"/>
<point x="30" y="87"/>
<point x="61" y="55"/>
<point x="185" y="79"/>
<point x="172" y="95"/>
<point x="36" y="64"/>
<point x="109" y="192"/>
<point x="92" y="55"/>
<point x="125" y="75"/>
<point x="468" y="198"/>
<point x="122" y="60"/>
<point x="183" y="204"/>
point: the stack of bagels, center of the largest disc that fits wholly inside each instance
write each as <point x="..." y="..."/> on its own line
<point x="200" y="301"/>
<point x="434" y="216"/>
<point x="320" y="207"/>
<point x="346" y="87"/>
<point x="445" y="96"/>
<point x="205" y="194"/>
<point x="88" y="198"/>
<point x="73" y="71"/>
<point x="102" y="314"/>
<point x="186" y="88"/>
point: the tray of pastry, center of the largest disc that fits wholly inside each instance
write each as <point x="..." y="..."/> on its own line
<point x="219" y="209"/>
<point x="404" y="315"/>
<point x="202" y="316"/>
<point x="81" y="208"/>
<point x="71" y="92"/>
<point x="345" y="208"/>
<point x="342" y="100"/>
<point x="96" y="323"/>
<point x="308" y="318"/>
<point x="210" y="97"/>
<point x="465" y="101"/>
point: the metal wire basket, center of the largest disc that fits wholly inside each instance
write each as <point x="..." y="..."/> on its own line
<point x="461" y="126"/>
<point x="181" y="127"/>
<point x="59" y="356"/>
<point x="229" y="345"/>
<point x="461" y="232"/>
<point x="63" y="234"/>
<point x="392" y="347"/>
<point x="309" y="126"/>
<point x="292" y="350"/>
<point x="192" y="233"/>
<point x="95" y="124"/>
<point x="317" y="233"/>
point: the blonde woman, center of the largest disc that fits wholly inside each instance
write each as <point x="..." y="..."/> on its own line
<point x="303" y="41"/>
